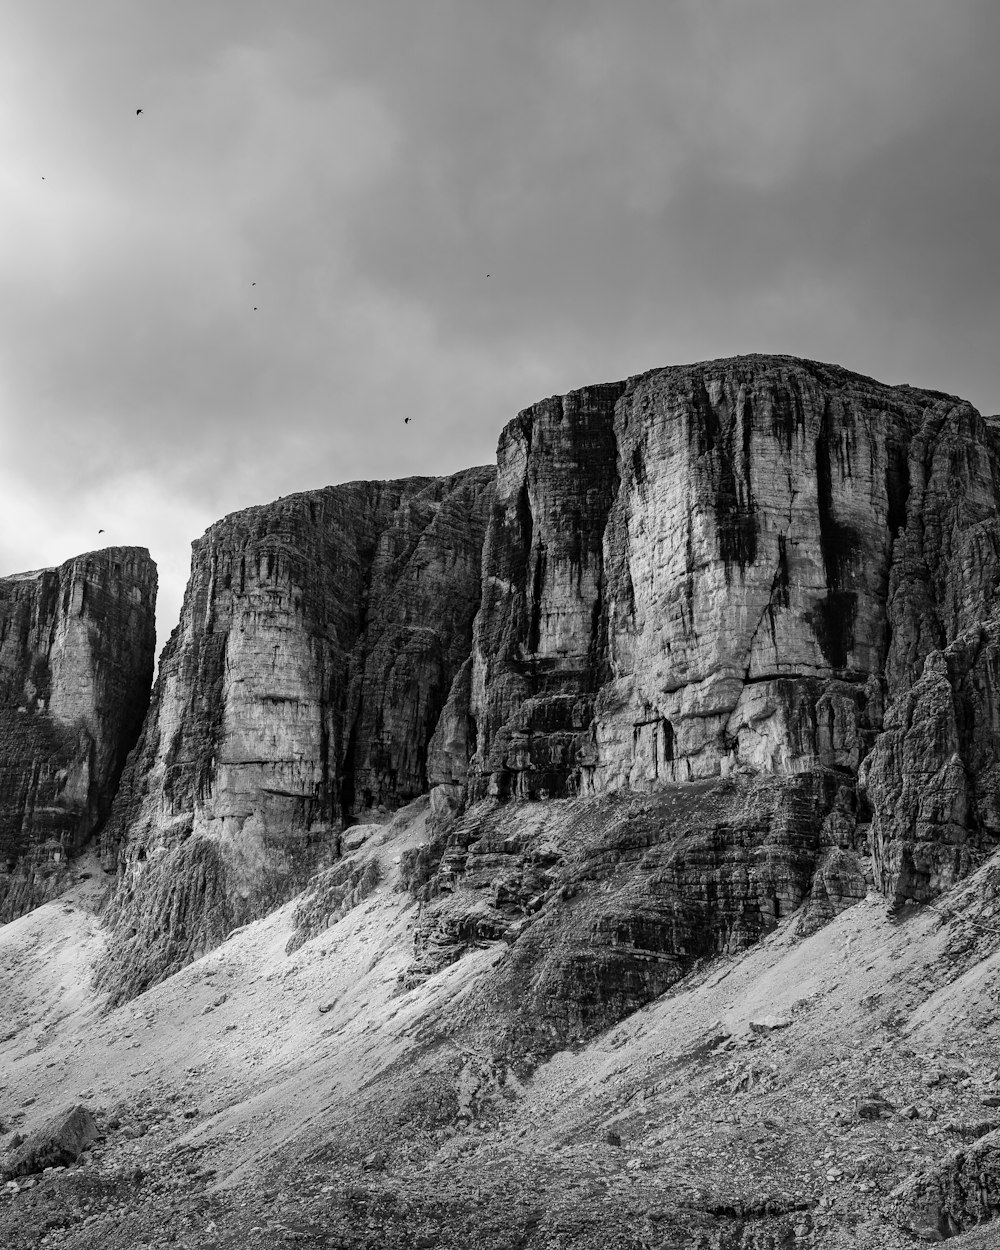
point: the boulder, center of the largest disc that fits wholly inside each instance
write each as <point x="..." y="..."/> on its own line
<point x="57" y="1143"/>
<point x="769" y="1024"/>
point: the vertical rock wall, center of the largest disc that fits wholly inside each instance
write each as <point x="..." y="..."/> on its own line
<point x="76" y="663"/>
<point x="934" y="775"/>
<point x="540" y="649"/>
<point x="318" y="641"/>
<point x="730" y="607"/>
<point x="744" y="565"/>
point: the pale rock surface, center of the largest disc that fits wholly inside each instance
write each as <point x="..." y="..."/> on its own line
<point x="724" y="576"/>
<point x="744" y="565"/>
<point x="318" y="641"/>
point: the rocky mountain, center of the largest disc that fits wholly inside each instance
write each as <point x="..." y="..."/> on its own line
<point x="761" y="593"/>
<point x="642" y="791"/>
<point x="746" y="570"/>
<point x="76" y="664"/>
<point x="318" y="640"/>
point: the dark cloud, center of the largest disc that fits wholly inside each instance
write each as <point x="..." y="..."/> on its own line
<point x="646" y="184"/>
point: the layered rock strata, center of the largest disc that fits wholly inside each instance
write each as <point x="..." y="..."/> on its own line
<point x="318" y="641"/>
<point x="76" y="664"/>
<point x="606" y="902"/>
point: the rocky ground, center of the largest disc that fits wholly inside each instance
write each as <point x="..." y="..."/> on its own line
<point x="786" y="1097"/>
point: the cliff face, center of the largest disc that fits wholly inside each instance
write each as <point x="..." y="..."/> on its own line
<point x="742" y="565"/>
<point x="318" y="640"/>
<point x="759" y="570"/>
<point x="76" y="663"/>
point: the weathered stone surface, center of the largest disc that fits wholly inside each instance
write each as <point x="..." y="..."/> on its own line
<point x="58" y="1142"/>
<point x="958" y="1193"/>
<point x="318" y="641"/>
<point x="933" y="778"/>
<point x="607" y="901"/>
<point x="76" y="664"/>
<point x="744" y="564"/>
<point x="331" y="895"/>
<point x="711" y="594"/>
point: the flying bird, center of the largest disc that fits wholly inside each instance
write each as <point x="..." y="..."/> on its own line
<point x="253" y="283"/>
<point x="406" y="420"/>
<point x="255" y="307"/>
<point x="100" y="531"/>
<point x="137" y="112"/>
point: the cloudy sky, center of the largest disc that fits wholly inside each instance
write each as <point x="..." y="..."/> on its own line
<point x="646" y="183"/>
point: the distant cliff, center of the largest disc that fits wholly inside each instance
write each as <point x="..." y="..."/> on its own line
<point x="76" y="663"/>
<point x="318" y="640"/>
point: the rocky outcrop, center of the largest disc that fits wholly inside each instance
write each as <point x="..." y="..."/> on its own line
<point x="76" y="664"/>
<point x="606" y="902"/>
<point x="319" y="639"/>
<point x="58" y="1142"/>
<point x="960" y="1192"/>
<point x="934" y="776"/>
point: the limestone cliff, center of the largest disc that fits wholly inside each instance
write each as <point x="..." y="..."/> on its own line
<point x="76" y="663"/>
<point x="737" y="565"/>
<point x="752" y="570"/>
<point x="318" y="640"/>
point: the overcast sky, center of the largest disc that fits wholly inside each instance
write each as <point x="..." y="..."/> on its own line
<point x="646" y="183"/>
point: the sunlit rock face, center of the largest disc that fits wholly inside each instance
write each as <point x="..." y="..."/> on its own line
<point x="714" y="592"/>
<point x="318" y="641"/>
<point x="76" y="663"/>
<point x="736" y="566"/>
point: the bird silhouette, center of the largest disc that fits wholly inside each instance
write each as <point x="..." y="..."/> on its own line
<point x="137" y="112"/>
<point x="406" y="420"/>
<point x="487" y="275"/>
<point x="253" y="283"/>
<point x="100" y="531"/>
<point x="255" y="308"/>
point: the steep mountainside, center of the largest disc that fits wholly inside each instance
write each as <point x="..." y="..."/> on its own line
<point x="763" y="572"/>
<point x="76" y="663"/>
<point x="318" y="640"/>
